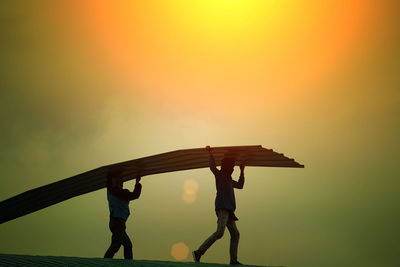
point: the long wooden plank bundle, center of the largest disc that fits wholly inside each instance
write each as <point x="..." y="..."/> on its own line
<point x="96" y="179"/>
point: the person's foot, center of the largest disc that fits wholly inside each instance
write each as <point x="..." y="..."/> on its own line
<point x="235" y="262"/>
<point x="196" y="256"/>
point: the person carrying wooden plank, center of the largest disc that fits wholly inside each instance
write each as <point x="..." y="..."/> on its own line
<point x="118" y="203"/>
<point x="225" y="205"/>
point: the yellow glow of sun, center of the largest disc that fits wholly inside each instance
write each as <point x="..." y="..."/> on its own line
<point x="187" y="52"/>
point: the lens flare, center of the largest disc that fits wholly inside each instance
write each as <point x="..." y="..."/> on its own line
<point x="190" y="188"/>
<point x="179" y="251"/>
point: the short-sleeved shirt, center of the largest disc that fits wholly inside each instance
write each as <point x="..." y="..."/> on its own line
<point x="118" y="200"/>
<point x="225" y="198"/>
<point x="119" y="208"/>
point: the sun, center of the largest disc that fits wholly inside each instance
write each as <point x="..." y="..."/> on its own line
<point x="185" y="52"/>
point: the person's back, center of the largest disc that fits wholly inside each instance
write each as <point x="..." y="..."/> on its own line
<point x="118" y="203"/>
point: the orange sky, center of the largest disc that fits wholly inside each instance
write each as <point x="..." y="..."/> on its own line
<point x="90" y="83"/>
<point x="181" y="51"/>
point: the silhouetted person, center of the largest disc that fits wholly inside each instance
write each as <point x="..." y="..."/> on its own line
<point x="118" y="203"/>
<point x="225" y="206"/>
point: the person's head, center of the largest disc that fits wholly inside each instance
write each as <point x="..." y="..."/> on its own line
<point x="227" y="165"/>
<point x="114" y="179"/>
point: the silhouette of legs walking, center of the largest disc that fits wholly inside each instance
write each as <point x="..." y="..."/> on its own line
<point x="224" y="220"/>
<point x="223" y="216"/>
<point x="119" y="237"/>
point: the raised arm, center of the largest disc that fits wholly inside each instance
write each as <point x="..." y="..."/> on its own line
<point x="125" y="194"/>
<point x="239" y="184"/>
<point x="211" y="161"/>
<point x="138" y="189"/>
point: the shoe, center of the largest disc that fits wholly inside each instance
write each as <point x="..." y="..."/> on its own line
<point x="235" y="262"/>
<point x="196" y="256"/>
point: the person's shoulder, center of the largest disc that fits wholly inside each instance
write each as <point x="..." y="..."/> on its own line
<point x="217" y="173"/>
<point x="115" y="191"/>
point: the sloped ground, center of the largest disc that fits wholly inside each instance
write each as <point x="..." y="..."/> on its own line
<point x="25" y="260"/>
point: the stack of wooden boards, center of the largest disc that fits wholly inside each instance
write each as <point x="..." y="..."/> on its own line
<point x="96" y="179"/>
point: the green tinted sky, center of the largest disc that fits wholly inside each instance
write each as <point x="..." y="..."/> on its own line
<point x="94" y="83"/>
